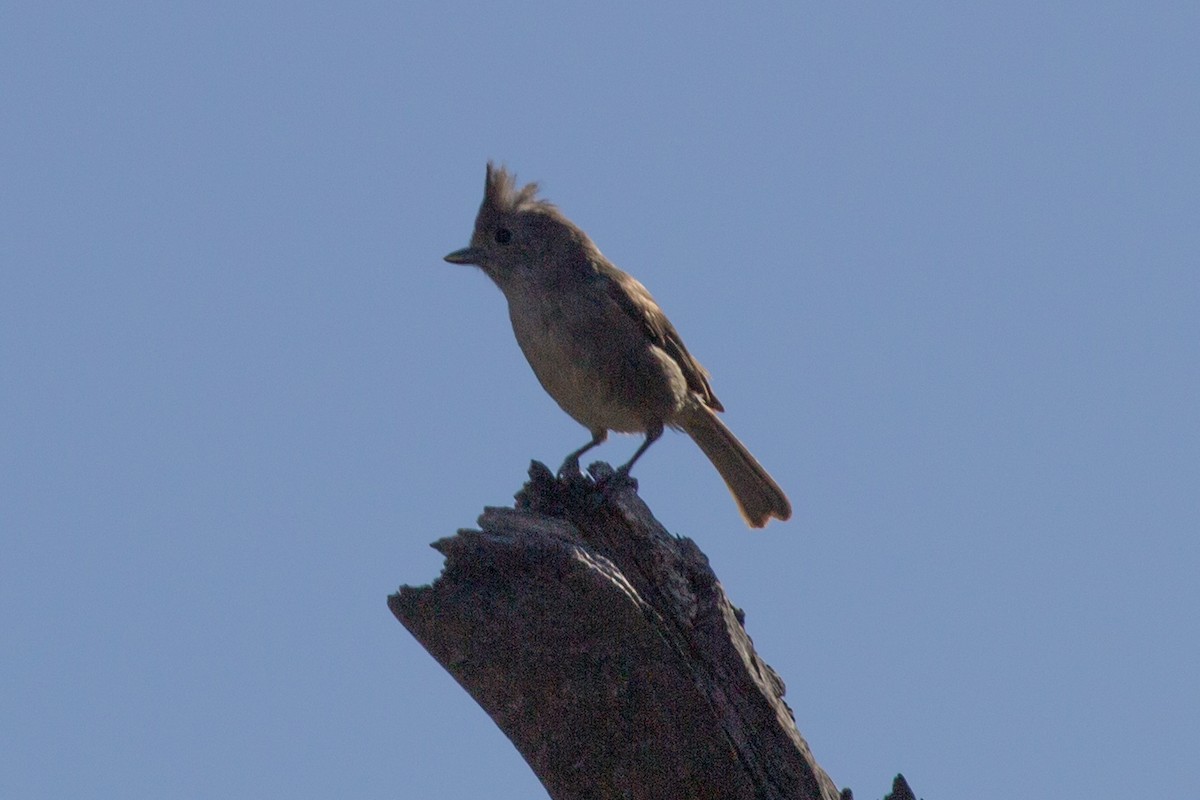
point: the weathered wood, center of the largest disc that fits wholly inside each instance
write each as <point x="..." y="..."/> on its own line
<point x="900" y="790"/>
<point x="607" y="651"/>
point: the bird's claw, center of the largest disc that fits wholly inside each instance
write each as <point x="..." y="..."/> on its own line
<point x="616" y="479"/>
<point x="569" y="468"/>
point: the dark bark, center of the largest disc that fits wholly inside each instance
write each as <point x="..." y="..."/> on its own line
<point x="607" y="651"/>
<point x="900" y="790"/>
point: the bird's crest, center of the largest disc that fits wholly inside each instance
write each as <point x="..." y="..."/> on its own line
<point x="501" y="195"/>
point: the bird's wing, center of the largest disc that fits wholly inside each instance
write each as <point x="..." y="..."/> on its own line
<point x="635" y="300"/>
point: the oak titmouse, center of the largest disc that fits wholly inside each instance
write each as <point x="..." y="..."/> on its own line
<point x="599" y="343"/>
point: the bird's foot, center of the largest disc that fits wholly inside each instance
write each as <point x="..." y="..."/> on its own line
<point x="570" y="469"/>
<point x="616" y="479"/>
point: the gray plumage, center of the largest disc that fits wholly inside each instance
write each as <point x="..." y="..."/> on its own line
<point x="599" y="343"/>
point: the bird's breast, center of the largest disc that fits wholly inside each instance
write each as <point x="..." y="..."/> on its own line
<point x="601" y="369"/>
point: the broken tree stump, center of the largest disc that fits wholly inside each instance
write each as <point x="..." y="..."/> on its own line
<point x="607" y="651"/>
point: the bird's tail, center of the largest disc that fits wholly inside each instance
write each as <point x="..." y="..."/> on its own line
<point x="757" y="494"/>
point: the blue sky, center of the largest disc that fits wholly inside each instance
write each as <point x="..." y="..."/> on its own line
<point x="940" y="258"/>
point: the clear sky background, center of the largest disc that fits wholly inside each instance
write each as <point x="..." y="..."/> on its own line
<point x="940" y="258"/>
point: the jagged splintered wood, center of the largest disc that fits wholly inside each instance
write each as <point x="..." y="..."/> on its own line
<point x="607" y="651"/>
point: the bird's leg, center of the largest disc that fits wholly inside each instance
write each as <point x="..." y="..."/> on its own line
<point x="570" y="465"/>
<point x="652" y="435"/>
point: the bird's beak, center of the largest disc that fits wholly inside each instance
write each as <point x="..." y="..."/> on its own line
<point x="468" y="255"/>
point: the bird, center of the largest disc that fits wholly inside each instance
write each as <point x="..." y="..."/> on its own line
<point x="599" y="343"/>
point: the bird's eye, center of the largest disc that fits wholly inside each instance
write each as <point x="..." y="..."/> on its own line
<point x="503" y="235"/>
